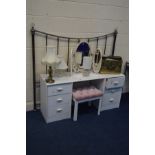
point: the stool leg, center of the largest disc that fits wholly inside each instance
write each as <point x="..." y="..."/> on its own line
<point x="99" y="106"/>
<point x="75" y="111"/>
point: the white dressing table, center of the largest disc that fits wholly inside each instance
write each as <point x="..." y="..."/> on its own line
<point x="56" y="98"/>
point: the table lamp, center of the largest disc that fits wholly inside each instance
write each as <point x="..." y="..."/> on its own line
<point x="62" y="65"/>
<point x="50" y="59"/>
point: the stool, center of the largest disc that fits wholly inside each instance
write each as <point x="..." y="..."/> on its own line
<point x="86" y="94"/>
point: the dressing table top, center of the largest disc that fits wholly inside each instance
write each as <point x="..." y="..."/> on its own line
<point x="77" y="77"/>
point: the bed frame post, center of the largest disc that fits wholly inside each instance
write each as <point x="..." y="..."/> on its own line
<point x="68" y="53"/>
<point x="33" y="65"/>
<point x="114" y="42"/>
<point x="97" y="43"/>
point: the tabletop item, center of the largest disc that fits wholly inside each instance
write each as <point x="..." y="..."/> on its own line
<point x="50" y="59"/>
<point x="84" y="49"/>
<point x="62" y="65"/>
<point x="78" y="58"/>
<point x="97" y="60"/>
<point x="111" y="65"/>
<point x="87" y="63"/>
<point x="79" y="53"/>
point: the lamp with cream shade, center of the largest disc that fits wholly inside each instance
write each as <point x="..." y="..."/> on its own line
<point x="62" y="65"/>
<point x="50" y="59"/>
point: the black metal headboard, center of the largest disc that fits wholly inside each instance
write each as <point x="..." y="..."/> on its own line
<point x="69" y="40"/>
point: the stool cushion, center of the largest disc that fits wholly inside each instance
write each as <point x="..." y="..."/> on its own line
<point x="86" y="93"/>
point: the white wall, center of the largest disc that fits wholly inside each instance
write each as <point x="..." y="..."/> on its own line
<point x="78" y="18"/>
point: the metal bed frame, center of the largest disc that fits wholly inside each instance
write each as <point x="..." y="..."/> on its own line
<point x="35" y="32"/>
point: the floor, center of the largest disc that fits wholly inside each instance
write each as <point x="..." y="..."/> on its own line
<point x="107" y="134"/>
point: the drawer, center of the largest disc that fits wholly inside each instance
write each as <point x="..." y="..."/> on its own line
<point x="109" y="106"/>
<point x="59" y="89"/>
<point x="112" y="97"/>
<point x="59" y="99"/>
<point x="59" y="105"/>
<point x="59" y="110"/>
<point x="115" y="82"/>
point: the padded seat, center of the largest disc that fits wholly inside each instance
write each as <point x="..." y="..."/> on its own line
<point x="85" y="94"/>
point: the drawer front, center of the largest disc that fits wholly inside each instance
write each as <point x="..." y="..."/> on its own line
<point x="109" y="106"/>
<point x="59" y="104"/>
<point x="59" y="89"/>
<point x="112" y="97"/>
<point x="115" y="82"/>
<point x="59" y="99"/>
<point x="59" y="112"/>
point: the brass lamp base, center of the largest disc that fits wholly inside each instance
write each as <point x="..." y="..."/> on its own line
<point x="50" y="72"/>
<point x="50" y="81"/>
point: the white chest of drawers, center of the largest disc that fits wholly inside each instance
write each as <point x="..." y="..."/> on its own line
<point x="55" y="101"/>
<point x="112" y="93"/>
<point x="56" y="98"/>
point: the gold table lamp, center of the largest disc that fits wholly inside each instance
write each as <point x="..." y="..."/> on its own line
<point x="50" y="60"/>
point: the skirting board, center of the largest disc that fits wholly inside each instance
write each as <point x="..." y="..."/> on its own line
<point x="29" y="106"/>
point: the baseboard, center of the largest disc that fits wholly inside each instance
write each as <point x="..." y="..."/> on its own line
<point x="29" y="106"/>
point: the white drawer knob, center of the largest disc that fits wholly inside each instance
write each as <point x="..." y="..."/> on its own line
<point x="59" y="89"/>
<point x="59" y="100"/>
<point x="59" y="110"/>
<point x="112" y="91"/>
<point x="116" y="82"/>
<point x="111" y="100"/>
